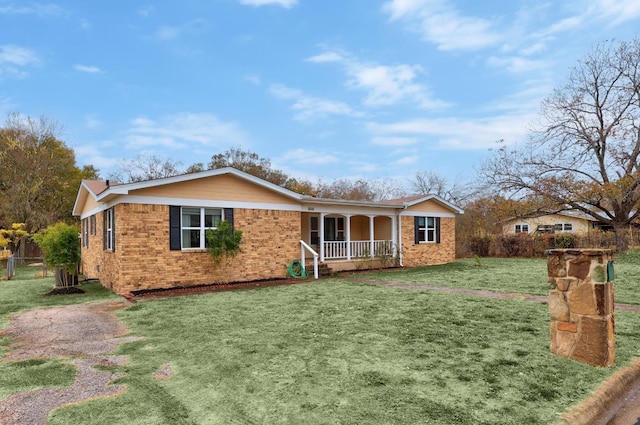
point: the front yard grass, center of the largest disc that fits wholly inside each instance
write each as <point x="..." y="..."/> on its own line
<point x="336" y="352"/>
<point x="518" y="275"/>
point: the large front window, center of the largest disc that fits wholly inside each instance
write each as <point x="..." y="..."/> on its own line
<point x="195" y="222"/>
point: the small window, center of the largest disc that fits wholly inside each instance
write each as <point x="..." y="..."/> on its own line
<point x="568" y="227"/>
<point x="109" y="228"/>
<point x="558" y="227"/>
<point x="427" y="229"/>
<point x="85" y="233"/>
<point x="522" y="228"/>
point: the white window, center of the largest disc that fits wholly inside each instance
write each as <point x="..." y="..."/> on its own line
<point x="522" y="228"/>
<point x="109" y="229"/>
<point x="563" y="227"/>
<point x="426" y="229"/>
<point x="195" y="222"/>
<point x="85" y="233"/>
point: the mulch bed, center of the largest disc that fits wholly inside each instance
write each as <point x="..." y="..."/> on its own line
<point x="68" y="290"/>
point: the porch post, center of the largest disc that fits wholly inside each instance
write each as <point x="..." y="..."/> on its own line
<point x="348" y="230"/>
<point x="321" y="230"/>
<point x="371" y="235"/>
<point x="394" y="235"/>
<point x="399" y="252"/>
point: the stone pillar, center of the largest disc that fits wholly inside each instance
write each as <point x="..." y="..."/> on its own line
<point x="581" y="305"/>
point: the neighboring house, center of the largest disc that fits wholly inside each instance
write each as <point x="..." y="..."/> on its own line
<point x="150" y="234"/>
<point x="563" y="222"/>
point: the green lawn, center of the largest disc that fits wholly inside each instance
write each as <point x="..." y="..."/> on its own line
<point x="521" y="275"/>
<point x="335" y="352"/>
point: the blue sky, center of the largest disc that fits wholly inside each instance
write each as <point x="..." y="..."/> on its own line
<point x="324" y="88"/>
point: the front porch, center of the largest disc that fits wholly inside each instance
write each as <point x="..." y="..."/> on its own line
<point x="346" y="237"/>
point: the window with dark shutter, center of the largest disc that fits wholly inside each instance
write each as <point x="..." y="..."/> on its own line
<point x="426" y="229"/>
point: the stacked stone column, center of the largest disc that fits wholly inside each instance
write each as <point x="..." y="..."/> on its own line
<point x="581" y="305"/>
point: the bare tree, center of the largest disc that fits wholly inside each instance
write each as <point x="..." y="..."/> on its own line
<point x="359" y="189"/>
<point x="430" y="182"/>
<point x="584" y="155"/>
<point x="145" y="167"/>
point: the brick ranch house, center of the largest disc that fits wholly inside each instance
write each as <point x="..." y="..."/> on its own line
<point x="150" y="234"/>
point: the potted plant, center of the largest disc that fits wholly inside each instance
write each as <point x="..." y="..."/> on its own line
<point x="61" y="248"/>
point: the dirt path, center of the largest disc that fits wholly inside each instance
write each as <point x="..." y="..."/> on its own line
<point x="83" y="333"/>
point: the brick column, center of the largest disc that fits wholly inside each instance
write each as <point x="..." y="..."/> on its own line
<point x="581" y="305"/>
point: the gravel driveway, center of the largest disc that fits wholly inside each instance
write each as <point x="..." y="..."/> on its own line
<point x="85" y="334"/>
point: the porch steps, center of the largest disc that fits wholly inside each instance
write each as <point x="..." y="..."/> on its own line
<point x="323" y="269"/>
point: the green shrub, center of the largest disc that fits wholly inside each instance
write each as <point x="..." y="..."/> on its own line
<point x="224" y="242"/>
<point x="60" y="245"/>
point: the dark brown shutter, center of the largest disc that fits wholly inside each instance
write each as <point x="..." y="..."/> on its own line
<point x="416" y="231"/>
<point x="104" y="230"/>
<point x="437" y="229"/>
<point x="228" y="215"/>
<point x="174" y="228"/>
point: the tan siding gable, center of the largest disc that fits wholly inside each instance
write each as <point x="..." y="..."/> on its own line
<point x="430" y="206"/>
<point x="224" y="187"/>
<point x="89" y="204"/>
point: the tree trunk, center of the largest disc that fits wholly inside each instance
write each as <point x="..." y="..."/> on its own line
<point x="64" y="279"/>
<point x="622" y="239"/>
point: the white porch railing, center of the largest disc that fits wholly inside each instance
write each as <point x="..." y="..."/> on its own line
<point x="357" y="249"/>
<point x="304" y="247"/>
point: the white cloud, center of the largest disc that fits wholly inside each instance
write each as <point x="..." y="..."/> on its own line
<point x="284" y="3"/>
<point x="407" y="160"/>
<point x="88" y="69"/>
<point x="326" y="57"/>
<point x="146" y="11"/>
<point x="310" y="108"/>
<point x="16" y="55"/>
<point x="253" y="79"/>
<point x="438" y="22"/>
<point x="38" y="9"/>
<point x="614" y="11"/>
<point x="384" y="84"/>
<point x="309" y="157"/>
<point x="182" y="130"/>
<point x="167" y="32"/>
<point x="13" y="59"/>
<point x="459" y="133"/>
<point x="92" y="154"/>
<point x="92" y="122"/>
<point x="516" y="64"/>
<point x="394" y="141"/>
